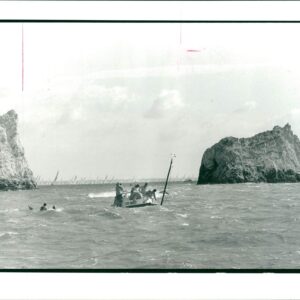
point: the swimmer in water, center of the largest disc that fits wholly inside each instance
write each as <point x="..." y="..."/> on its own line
<point x="30" y="208"/>
<point x="151" y="195"/>
<point x="44" y="207"/>
<point x="53" y="207"/>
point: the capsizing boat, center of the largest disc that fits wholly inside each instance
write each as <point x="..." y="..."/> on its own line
<point x="142" y="201"/>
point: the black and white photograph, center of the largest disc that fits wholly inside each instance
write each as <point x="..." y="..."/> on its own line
<point x="149" y="146"/>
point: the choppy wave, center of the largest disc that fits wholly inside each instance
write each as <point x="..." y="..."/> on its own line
<point x="14" y="221"/>
<point x="9" y="210"/>
<point x="200" y="226"/>
<point x="49" y="210"/>
<point x="182" y="215"/>
<point x="185" y="224"/>
<point x="112" y="214"/>
<point x="7" y="235"/>
<point x="216" y="217"/>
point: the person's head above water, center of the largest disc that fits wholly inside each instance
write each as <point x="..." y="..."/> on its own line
<point x="45" y="204"/>
<point x="137" y="185"/>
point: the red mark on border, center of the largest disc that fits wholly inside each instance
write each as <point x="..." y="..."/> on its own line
<point x="22" y="58"/>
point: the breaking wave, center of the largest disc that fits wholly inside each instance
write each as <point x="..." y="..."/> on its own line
<point x="102" y="195"/>
<point x="7" y="235"/>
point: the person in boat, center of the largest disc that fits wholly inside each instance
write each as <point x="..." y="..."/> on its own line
<point x="119" y="195"/>
<point x="151" y="195"/>
<point x="43" y="207"/>
<point x="135" y="193"/>
<point x="144" y="189"/>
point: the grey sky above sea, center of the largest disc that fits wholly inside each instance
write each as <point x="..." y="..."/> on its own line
<point x="118" y="99"/>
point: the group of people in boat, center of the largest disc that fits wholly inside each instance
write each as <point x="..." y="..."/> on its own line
<point x="136" y="193"/>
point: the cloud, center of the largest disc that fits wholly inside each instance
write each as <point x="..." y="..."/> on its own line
<point x="250" y="105"/>
<point x="63" y="105"/>
<point x="173" y="70"/>
<point x="110" y="98"/>
<point x="167" y="102"/>
<point x="246" y="107"/>
<point x="295" y="112"/>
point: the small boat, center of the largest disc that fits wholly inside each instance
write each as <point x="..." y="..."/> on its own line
<point x="143" y="199"/>
<point x="141" y="202"/>
<point x="139" y="205"/>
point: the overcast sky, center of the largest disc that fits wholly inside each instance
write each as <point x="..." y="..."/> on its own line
<point x="118" y="99"/>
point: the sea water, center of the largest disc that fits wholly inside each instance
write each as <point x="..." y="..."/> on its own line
<point x="199" y="226"/>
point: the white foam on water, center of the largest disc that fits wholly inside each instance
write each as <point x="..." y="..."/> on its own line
<point x="12" y="221"/>
<point x="52" y="210"/>
<point x="163" y="208"/>
<point x="49" y="210"/>
<point x="109" y="194"/>
<point x="185" y="224"/>
<point x="182" y="215"/>
<point x="9" y="233"/>
<point x="216" y="217"/>
<point x="10" y="210"/>
<point x="42" y="225"/>
<point x="111" y="213"/>
<point x="159" y="195"/>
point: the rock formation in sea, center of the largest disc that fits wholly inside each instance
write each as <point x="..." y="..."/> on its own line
<point x="270" y="156"/>
<point x="14" y="171"/>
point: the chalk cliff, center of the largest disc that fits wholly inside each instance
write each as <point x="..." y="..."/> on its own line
<point x="14" y="171"/>
<point x="270" y="156"/>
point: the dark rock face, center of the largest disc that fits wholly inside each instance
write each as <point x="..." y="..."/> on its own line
<point x="14" y="171"/>
<point x="270" y="156"/>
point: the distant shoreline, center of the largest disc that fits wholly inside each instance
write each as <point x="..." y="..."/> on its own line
<point x="91" y="182"/>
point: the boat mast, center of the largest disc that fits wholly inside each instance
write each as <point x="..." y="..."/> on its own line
<point x="54" y="180"/>
<point x="166" y="183"/>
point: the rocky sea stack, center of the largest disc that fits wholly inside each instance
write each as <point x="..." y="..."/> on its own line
<point x="14" y="171"/>
<point x="270" y="156"/>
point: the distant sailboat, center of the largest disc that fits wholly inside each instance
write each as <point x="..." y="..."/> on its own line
<point x="55" y="179"/>
<point x="105" y="179"/>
